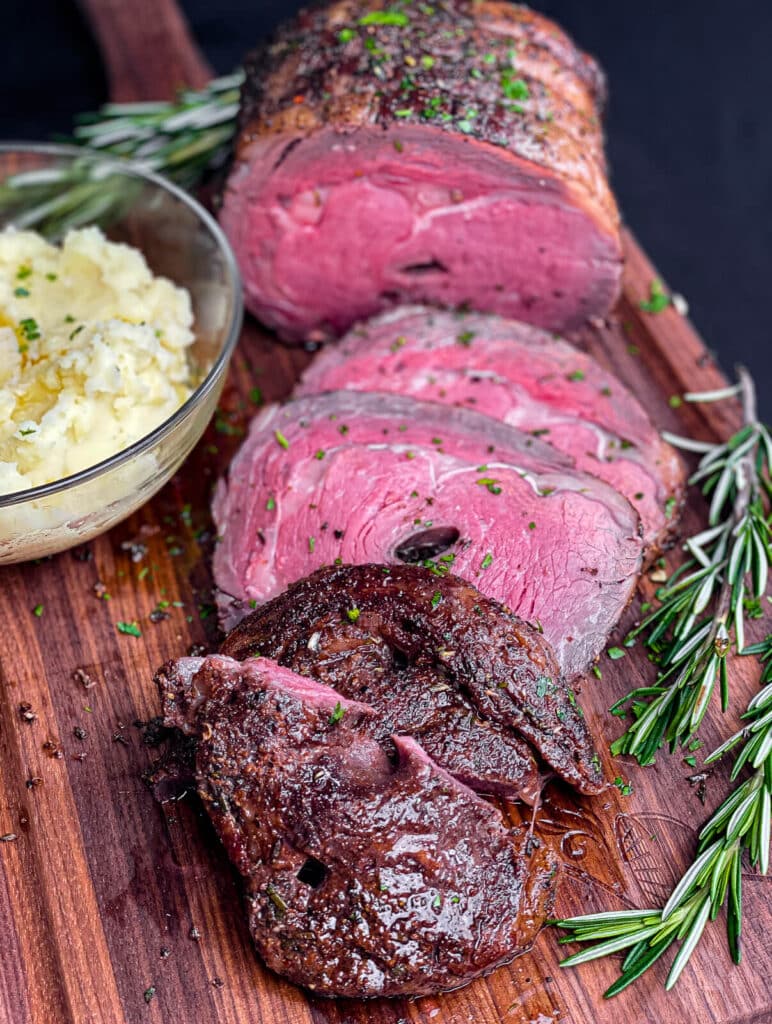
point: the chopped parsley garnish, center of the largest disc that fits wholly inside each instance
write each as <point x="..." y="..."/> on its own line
<point x="625" y="788"/>
<point x="281" y="440"/>
<point x="27" y="432"/>
<point x="346" y="35"/>
<point x="490" y="483"/>
<point x="670" y="505"/>
<point x="21" y="293"/>
<point x="657" y="300"/>
<point x="427" y="61"/>
<point x="51" y="277"/>
<point x="270" y="504"/>
<point x="436" y="598"/>
<point x="675" y="401"/>
<point x="352" y="614"/>
<point x="337" y="713"/>
<point x="23" y="272"/>
<point x="514" y="88"/>
<point x="256" y="396"/>
<point x="615" y="653"/>
<point x="311" y="544"/>
<point x="320" y="454"/>
<point x="465" y="338"/>
<point x="753" y="607"/>
<point x="575" y="375"/>
<point x="385" y="18"/>
<point x="37" y="610"/>
<point x="128" y="628"/>
<point x="76" y="332"/>
<point x="487" y="562"/>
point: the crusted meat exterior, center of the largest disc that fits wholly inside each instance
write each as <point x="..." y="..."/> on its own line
<point x="473" y="684"/>
<point x="368" y="872"/>
<point x="371" y="477"/>
<point x="525" y="377"/>
<point x="446" y="153"/>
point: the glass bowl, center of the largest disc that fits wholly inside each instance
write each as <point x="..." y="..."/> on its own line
<point x="50" y="188"/>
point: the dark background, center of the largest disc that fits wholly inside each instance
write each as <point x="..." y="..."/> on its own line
<point x="689" y="129"/>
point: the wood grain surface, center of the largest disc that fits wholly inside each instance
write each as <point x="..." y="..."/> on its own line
<point x="114" y="910"/>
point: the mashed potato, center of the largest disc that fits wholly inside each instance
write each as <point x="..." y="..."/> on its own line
<point x="93" y="353"/>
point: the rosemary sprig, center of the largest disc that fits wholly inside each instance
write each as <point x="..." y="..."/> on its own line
<point x="704" y="604"/>
<point x="741" y="824"/>
<point x="181" y="140"/>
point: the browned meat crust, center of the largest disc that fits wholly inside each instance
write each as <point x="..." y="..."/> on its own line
<point x="471" y="682"/>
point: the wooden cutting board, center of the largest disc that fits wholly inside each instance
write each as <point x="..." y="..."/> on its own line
<point x="114" y="910"/>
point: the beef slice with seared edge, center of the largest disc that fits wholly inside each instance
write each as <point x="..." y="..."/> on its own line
<point x="370" y="477"/>
<point x="526" y="377"/>
<point x="449" y="153"/>
<point x="365" y="874"/>
<point x="477" y="687"/>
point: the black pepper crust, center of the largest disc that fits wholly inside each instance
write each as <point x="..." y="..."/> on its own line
<point x="343" y="625"/>
<point x="492" y="71"/>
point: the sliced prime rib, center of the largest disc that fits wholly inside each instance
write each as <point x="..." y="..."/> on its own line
<point x="368" y="871"/>
<point x="524" y="376"/>
<point x="362" y="477"/>
<point x="478" y="688"/>
<point x="448" y="153"/>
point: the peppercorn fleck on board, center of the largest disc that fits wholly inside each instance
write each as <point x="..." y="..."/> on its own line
<point x="114" y="909"/>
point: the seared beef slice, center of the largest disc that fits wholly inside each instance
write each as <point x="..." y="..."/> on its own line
<point x="369" y="477"/>
<point x="527" y="378"/>
<point x="365" y="875"/>
<point x="474" y="685"/>
<point x="447" y="153"/>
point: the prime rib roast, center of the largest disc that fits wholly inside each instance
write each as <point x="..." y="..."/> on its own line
<point x="475" y="686"/>
<point x="368" y="869"/>
<point x="410" y="163"/>
<point x="525" y="377"/>
<point x="357" y="477"/>
<point x="448" y="153"/>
